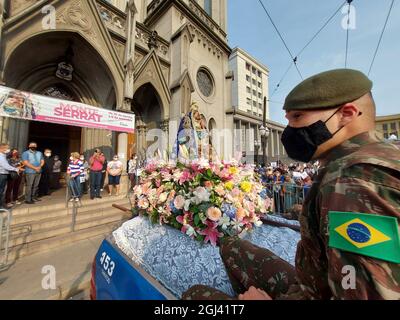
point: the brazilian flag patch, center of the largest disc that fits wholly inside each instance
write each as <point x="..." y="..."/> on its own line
<point x="365" y="234"/>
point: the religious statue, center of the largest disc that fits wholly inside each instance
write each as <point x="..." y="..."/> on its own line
<point x="193" y="137"/>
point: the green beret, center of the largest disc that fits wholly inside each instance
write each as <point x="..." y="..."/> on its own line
<point x="328" y="89"/>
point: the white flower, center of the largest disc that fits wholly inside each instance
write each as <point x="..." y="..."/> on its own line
<point x="187" y="205"/>
<point x="163" y="197"/>
<point x="190" y="231"/>
<point x="225" y="222"/>
<point x="202" y="163"/>
<point x="201" y="194"/>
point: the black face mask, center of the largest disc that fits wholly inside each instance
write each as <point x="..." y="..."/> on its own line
<point x="33" y="148"/>
<point x="302" y="143"/>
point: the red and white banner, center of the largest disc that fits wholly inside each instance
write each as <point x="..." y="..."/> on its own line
<point x="29" y="106"/>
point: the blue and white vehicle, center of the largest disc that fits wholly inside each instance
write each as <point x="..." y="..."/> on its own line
<point x="140" y="261"/>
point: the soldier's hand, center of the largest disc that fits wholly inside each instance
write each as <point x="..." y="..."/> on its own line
<point x="254" y="294"/>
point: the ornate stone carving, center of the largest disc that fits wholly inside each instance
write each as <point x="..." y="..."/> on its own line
<point x="153" y="6"/>
<point x="76" y="16"/>
<point x="143" y="38"/>
<point x="207" y="43"/>
<point x="112" y="20"/>
<point x="204" y="17"/>
<point x="152" y="40"/>
<point x="19" y="5"/>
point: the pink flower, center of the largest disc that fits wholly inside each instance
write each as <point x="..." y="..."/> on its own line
<point x="212" y="234"/>
<point x="225" y="174"/>
<point x="160" y="190"/>
<point x="143" y="203"/>
<point x="240" y="214"/>
<point x="220" y="190"/>
<point x="179" y="202"/>
<point x="249" y="206"/>
<point x="235" y="192"/>
<point x="208" y="184"/>
<point x="146" y="187"/>
<point x="214" y="214"/>
<point x="171" y="195"/>
<point x="186" y="176"/>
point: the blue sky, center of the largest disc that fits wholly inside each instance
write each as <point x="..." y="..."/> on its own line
<point x="298" y="21"/>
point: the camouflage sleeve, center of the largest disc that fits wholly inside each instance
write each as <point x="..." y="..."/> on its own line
<point x="361" y="188"/>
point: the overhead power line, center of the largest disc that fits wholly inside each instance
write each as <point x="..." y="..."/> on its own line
<point x="294" y="59"/>
<point x="381" y="36"/>
<point x="322" y="28"/>
<point x="307" y="44"/>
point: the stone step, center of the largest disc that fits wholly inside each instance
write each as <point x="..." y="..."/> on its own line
<point x="65" y="219"/>
<point x="42" y="206"/>
<point x="18" y="219"/>
<point x="54" y="242"/>
<point x="114" y="215"/>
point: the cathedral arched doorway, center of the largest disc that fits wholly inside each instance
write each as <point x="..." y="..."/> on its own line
<point x="62" y="65"/>
<point x="148" y="109"/>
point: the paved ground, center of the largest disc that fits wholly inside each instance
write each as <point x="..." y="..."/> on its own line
<point x="72" y="265"/>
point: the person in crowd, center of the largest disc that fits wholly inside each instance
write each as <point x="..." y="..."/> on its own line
<point x="289" y="192"/>
<point x="278" y="190"/>
<point x="5" y="169"/>
<point x="56" y="173"/>
<point x="114" y="171"/>
<point x="96" y="163"/>
<point x="132" y="170"/>
<point x="74" y="171"/>
<point x="44" y="184"/>
<point x="85" y="175"/>
<point x="103" y="172"/>
<point x="14" y="181"/>
<point x="33" y="162"/>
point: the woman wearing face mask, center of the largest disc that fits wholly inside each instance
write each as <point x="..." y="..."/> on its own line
<point x="13" y="185"/>
<point x="114" y="170"/>
<point x="85" y="175"/>
<point x="75" y="170"/>
<point x="56" y="172"/>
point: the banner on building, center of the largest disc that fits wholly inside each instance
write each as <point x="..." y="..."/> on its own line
<point x="29" y="106"/>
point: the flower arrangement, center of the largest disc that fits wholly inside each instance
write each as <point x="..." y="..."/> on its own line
<point x="206" y="201"/>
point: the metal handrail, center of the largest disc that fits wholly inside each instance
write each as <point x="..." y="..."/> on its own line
<point x="285" y="196"/>
<point x="4" y="229"/>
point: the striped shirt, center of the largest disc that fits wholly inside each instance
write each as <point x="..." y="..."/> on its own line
<point x="75" y="167"/>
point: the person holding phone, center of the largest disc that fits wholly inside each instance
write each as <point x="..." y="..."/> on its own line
<point x="96" y="166"/>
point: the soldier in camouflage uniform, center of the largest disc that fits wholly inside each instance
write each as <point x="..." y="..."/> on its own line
<point x="359" y="174"/>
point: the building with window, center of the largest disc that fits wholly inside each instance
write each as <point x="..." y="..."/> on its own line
<point x="152" y="58"/>
<point x="249" y="87"/>
<point x="388" y="126"/>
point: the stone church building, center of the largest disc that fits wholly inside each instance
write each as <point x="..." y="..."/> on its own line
<point x="152" y="58"/>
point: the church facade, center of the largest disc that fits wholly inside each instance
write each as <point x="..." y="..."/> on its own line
<point x="152" y="58"/>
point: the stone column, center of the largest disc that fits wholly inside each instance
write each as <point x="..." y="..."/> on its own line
<point x="122" y="151"/>
<point x="129" y="55"/>
<point x="123" y="148"/>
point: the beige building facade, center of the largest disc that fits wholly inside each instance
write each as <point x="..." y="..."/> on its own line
<point x="249" y="87"/>
<point x="388" y="126"/>
<point x="152" y="58"/>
